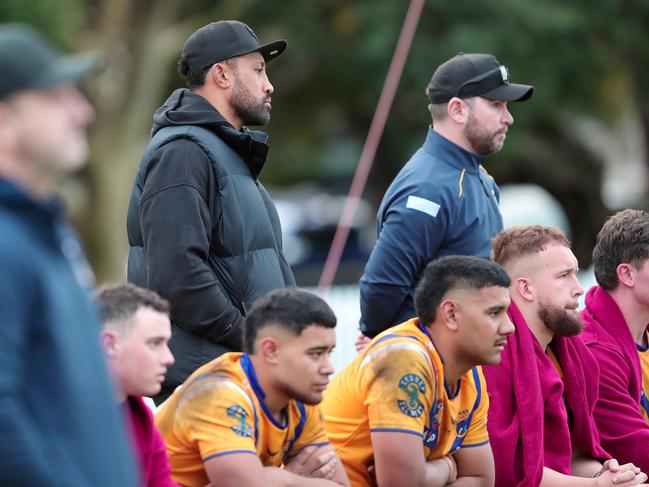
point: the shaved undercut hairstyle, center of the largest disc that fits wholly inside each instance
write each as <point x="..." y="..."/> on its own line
<point x="119" y="302"/>
<point x="624" y="239"/>
<point x="454" y="272"/>
<point x="290" y="308"/>
<point x="523" y="240"/>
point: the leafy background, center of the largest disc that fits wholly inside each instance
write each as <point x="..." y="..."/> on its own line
<point x="585" y="129"/>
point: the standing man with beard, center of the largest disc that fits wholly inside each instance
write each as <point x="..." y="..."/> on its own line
<point x="203" y="231"/>
<point x="543" y="393"/>
<point x="442" y="202"/>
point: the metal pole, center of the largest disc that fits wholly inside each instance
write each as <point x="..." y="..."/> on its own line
<point x="371" y="144"/>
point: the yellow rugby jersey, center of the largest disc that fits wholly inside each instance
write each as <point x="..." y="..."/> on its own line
<point x="397" y="384"/>
<point x="643" y="352"/>
<point x="220" y="410"/>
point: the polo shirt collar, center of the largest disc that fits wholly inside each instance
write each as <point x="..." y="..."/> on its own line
<point x="451" y="153"/>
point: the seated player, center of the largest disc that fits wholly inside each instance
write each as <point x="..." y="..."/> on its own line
<point x="241" y="417"/>
<point x="543" y="392"/>
<point x="411" y="409"/>
<point x="616" y="318"/>
<point x="136" y="329"/>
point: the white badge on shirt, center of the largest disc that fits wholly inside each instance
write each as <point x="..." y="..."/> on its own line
<point x="420" y="204"/>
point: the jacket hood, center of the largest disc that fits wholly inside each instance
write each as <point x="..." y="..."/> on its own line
<point x="184" y="107"/>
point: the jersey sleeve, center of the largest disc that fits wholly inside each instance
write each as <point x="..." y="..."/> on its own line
<point x="220" y="418"/>
<point x="313" y="432"/>
<point x="477" y="433"/>
<point x="400" y="388"/>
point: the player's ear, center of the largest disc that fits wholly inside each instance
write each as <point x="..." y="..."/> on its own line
<point x="448" y="314"/>
<point x="457" y="110"/>
<point x="109" y="342"/>
<point x="523" y="288"/>
<point x="268" y="348"/>
<point x="625" y="274"/>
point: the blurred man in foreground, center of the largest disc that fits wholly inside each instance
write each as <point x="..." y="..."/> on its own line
<point x="134" y="339"/>
<point x="240" y="417"/>
<point x="58" y="421"/>
<point x="411" y="409"/>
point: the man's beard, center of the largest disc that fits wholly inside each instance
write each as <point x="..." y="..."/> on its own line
<point x="482" y="141"/>
<point x="560" y="321"/>
<point x="249" y="110"/>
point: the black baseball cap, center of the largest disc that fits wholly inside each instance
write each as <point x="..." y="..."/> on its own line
<point x="223" y="40"/>
<point x="467" y="75"/>
<point x="29" y="62"/>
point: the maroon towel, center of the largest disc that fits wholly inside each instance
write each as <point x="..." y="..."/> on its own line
<point x="148" y="445"/>
<point x="528" y="420"/>
<point x="622" y="428"/>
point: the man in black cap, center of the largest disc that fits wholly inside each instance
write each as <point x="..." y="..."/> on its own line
<point x="58" y="421"/>
<point x="203" y="231"/>
<point x="442" y="202"/>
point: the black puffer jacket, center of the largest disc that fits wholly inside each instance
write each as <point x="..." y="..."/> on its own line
<point x="203" y="231"/>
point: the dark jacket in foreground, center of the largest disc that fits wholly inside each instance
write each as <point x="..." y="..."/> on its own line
<point x="59" y="423"/>
<point x="203" y="231"/>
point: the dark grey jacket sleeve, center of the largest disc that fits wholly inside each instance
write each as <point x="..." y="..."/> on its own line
<point x="177" y="223"/>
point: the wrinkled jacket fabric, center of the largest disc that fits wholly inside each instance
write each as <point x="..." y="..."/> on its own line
<point x="203" y="231"/>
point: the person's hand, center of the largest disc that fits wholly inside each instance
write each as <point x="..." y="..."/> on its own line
<point x="361" y="342"/>
<point x="613" y="474"/>
<point x="309" y="463"/>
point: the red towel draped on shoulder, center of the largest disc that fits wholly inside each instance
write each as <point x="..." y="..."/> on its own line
<point x="528" y="420"/>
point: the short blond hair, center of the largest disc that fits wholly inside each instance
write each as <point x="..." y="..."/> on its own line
<point x="523" y="240"/>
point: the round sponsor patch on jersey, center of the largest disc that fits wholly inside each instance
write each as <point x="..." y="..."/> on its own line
<point x="242" y="428"/>
<point x="413" y="385"/>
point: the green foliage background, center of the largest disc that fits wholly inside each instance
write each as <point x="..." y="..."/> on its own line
<point x="586" y="59"/>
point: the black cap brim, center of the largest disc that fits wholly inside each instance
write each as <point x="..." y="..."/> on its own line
<point x="70" y="70"/>
<point x="509" y="92"/>
<point x="272" y="49"/>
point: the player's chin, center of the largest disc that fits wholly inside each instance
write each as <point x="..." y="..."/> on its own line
<point x="313" y="398"/>
<point x="153" y="389"/>
<point x="493" y="358"/>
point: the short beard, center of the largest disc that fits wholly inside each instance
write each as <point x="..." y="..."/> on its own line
<point x="483" y="142"/>
<point x="560" y="321"/>
<point x="248" y="110"/>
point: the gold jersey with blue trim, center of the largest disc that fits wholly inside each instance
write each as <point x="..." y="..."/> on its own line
<point x="643" y="352"/>
<point x="397" y="384"/>
<point x="220" y="410"/>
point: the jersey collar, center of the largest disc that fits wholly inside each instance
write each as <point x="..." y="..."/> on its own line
<point x="451" y="153"/>
<point x="249" y="370"/>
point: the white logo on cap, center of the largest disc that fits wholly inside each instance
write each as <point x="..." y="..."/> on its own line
<point x="504" y="73"/>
